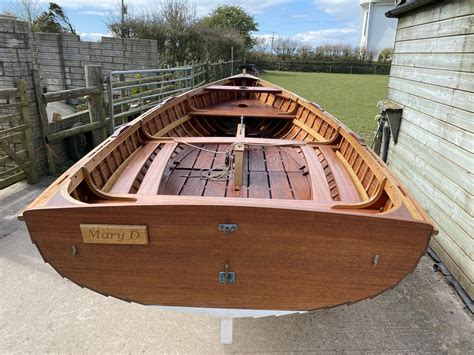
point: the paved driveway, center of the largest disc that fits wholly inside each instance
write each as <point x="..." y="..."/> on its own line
<point x="42" y="312"/>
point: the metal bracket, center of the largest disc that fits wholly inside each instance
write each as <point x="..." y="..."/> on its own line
<point x="227" y="227"/>
<point x="227" y="277"/>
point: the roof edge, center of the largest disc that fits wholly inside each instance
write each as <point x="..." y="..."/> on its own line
<point x="408" y="6"/>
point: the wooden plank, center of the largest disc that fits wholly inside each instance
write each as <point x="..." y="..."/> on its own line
<point x="436" y="13"/>
<point x="451" y="97"/>
<point x="319" y="187"/>
<point x="430" y="170"/>
<point x="279" y="185"/>
<point x="244" y="89"/>
<point x="9" y="117"/>
<point x="217" y="188"/>
<point x="435" y="158"/>
<point x="7" y="93"/>
<point x="345" y="185"/>
<point x="152" y="179"/>
<point x="463" y="62"/>
<point x="126" y="179"/>
<point x="445" y="212"/>
<point x="446" y="131"/>
<point x="452" y="152"/>
<point x="451" y="79"/>
<point x="93" y="74"/>
<point x="457" y="272"/>
<point x="448" y="27"/>
<point x="452" y="44"/>
<point x="71" y="93"/>
<point x="258" y="185"/>
<point x="355" y="179"/>
<point x="451" y="115"/>
<point x="172" y="126"/>
<point x="311" y="131"/>
<point x="28" y="143"/>
<point x="12" y="179"/>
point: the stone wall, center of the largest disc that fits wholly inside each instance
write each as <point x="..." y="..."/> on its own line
<point x="62" y="57"/>
<point x="16" y="63"/>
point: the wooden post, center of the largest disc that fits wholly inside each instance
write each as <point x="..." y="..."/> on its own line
<point x="239" y="158"/>
<point x="96" y="103"/>
<point x="41" y="104"/>
<point x="28" y="141"/>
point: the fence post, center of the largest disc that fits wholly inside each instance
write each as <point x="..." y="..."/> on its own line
<point x="96" y="103"/>
<point x="41" y="104"/>
<point x="28" y="141"/>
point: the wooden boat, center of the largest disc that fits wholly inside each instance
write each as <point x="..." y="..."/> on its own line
<point x="236" y="195"/>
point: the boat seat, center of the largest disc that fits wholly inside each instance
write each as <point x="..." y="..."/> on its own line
<point x="247" y="108"/>
<point x="319" y="187"/>
<point x="251" y="89"/>
<point x="347" y="190"/>
<point x="127" y="177"/>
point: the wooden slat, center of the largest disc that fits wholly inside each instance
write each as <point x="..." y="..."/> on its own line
<point x="319" y="187"/>
<point x="172" y="126"/>
<point x="152" y="180"/>
<point x="252" y="89"/>
<point x="129" y="174"/>
<point x="355" y="179"/>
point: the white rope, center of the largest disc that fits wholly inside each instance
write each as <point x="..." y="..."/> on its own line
<point x="222" y="172"/>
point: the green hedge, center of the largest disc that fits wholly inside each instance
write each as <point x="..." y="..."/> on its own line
<point x="324" y="67"/>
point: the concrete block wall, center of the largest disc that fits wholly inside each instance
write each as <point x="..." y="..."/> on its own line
<point x="62" y="57"/>
<point x="16" y="63"/>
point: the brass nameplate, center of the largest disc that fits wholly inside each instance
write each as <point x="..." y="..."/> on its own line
<point x="114" y="234"/>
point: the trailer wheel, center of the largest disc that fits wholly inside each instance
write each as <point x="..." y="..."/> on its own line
<point x="79" y="145"/>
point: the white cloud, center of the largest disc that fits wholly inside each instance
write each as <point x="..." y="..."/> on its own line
<point x="328" y="36"/>
<point x="202" y="7"/>
<point x="343" y="9"/>
<point x="92" y="36"/>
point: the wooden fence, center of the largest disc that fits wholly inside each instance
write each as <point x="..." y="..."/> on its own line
<point x="17" y="151"/>
<point x="94" y="95"/>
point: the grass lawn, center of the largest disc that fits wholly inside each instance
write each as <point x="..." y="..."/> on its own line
<point x="352" y="98"/>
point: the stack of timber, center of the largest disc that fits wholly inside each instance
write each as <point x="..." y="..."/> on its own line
<point x="236" y="195"/>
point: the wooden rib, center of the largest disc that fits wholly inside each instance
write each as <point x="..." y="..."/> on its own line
<point x="311" y="131"/>
<point x="152" y="179"/>
<point x="101" y="194"/>
<point x="355" y="179"/>
<point x="125" y="181"/>
<point x="319" y="187"/>
<point x="116" y="174"/>
<point x="364" y="204"/>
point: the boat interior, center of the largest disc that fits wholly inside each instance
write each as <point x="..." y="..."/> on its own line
<point x="243" y="138"/>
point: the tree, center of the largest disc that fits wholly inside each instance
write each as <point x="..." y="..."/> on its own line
<point x="53" y="20"/>
<point x="385" y="56"/>
<point x="25" y="10"/>
<point x="233" y="17"/>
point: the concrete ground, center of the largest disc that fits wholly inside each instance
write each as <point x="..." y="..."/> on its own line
<point x="42" y="312"/>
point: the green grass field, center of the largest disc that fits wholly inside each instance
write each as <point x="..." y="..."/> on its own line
<point x="352" y="98"/>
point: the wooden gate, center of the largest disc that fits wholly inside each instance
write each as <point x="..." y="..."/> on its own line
<point x="17" y="152"/>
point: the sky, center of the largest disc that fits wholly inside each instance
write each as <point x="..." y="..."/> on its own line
<point x="312" y="22"/>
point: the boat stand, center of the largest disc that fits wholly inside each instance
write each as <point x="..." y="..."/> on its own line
<point x="227" y="330"/>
